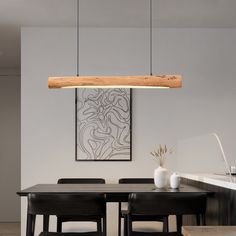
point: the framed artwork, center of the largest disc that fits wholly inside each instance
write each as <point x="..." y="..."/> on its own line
<point x="103" y="124"/>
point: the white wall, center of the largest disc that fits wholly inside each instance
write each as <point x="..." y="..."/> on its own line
<point x="205" y="58"/>
<point x="9" y="146"/>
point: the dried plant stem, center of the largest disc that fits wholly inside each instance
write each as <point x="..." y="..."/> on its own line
<point x="160" y="153"/>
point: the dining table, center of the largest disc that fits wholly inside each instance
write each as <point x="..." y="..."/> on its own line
<point x="112" y="192"/>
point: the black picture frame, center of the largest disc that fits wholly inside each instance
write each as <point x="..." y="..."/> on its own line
<point x="76" y="135"/>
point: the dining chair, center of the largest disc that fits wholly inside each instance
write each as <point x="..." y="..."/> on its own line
<point x="154" y="204"/>
<point x="61" y="218"/>
<point x="87" y="205"/>
<point x="121" y="212"/>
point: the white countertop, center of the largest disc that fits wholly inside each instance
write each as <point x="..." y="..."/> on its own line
<point x="213" y="179"/>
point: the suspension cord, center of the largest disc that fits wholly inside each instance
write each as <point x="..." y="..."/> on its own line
<point x="78" y="34"/>
<point x="150" y="32"/>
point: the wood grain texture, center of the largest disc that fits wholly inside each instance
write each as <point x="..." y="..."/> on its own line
<point x="209" y="230"/>
<point x="154" y="81"/>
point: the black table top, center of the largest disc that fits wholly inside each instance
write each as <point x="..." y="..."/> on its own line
<point x="113" y="189"/>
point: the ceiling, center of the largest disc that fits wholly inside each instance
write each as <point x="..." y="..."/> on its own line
<point x="106" y="13"/>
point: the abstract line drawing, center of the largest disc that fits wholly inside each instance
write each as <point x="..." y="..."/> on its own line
<point x="103" y="125"/>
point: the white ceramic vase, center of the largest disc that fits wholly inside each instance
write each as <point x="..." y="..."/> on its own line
<point x="175" y="180"/>
<point x="161" y="177"/>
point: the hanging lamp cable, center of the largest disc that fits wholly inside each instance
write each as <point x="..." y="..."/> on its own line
<point x="77" y="24"/>
<point x="150" y="32"/>
<point x="77" y="70"/>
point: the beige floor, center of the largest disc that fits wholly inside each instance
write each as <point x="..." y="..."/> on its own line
<point x="10" y="229"/>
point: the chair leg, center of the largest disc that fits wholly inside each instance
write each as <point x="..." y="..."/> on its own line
<point x="59" y="225"/>
<point x="33" y="224"/>
<point x="203" y="219"/>
<point x="165" y="224"/>
<point x="129" y="226"/>
<point x="179" y="219"/>
<point x="104" y="226"/>
<point x="30" y="225"/>
<point x="198" y="220"/>
<point x="45" y="223"/>
<point x="99" y="226"/>
<point x="119" y="219"/>
<point x="125" y="226"/>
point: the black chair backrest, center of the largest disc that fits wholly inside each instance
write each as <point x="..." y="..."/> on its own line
<point x="167" y="204"/>
<point x="81" y="181"/>
<point x="136" y="181"/>
<point x="65" y="204"/>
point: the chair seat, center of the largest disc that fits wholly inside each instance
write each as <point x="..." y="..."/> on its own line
<point x="79" y="218"/>
<point x="69" y="234"/>
<point x="143" y="217"/>
<point x="155" y="234"/>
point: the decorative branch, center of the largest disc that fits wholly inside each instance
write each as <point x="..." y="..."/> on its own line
<point x="160" y="153"/>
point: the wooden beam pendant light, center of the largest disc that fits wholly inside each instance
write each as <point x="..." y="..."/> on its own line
<point x="139" y="81"/>
<point x="148" y="81"/>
